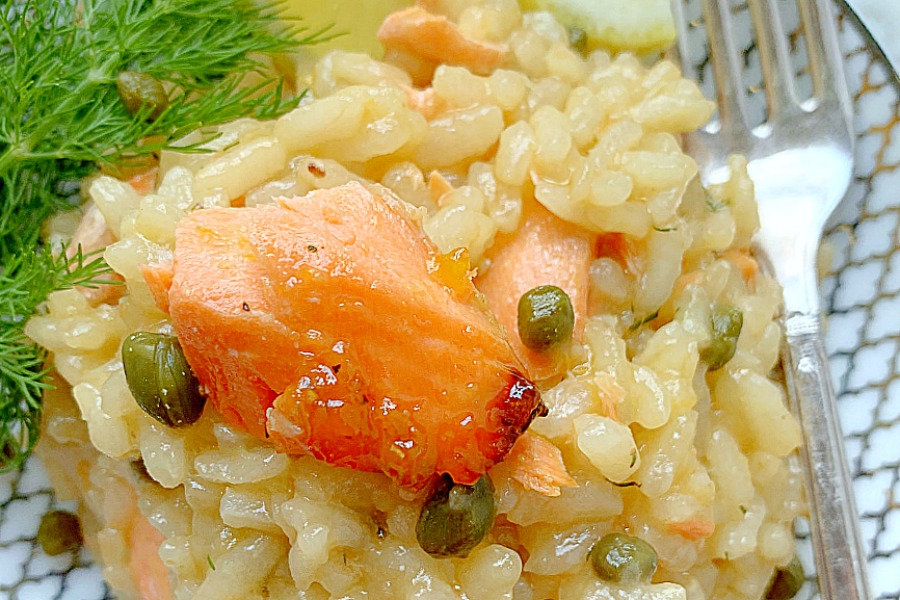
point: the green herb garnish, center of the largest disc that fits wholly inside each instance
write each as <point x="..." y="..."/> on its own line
<point x="25" y="281"/>
<point x="63" y="115"/>
<point x="641" y="322"/>
<point x="713" y="205"/>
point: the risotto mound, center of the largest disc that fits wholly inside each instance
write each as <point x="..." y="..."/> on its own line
<point x="548" y="168"/>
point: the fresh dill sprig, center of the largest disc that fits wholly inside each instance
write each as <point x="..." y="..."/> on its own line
<point x="25" y="282"/>
<point x="638" y="323"/>
<point x="713" y="205"/>
<point x="61" y="107"/>
<point x="62" y="116"/>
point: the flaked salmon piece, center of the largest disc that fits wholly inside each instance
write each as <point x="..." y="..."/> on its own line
<point x="92" y="234"/>
<point x="235" y="345"/>
<point x="318" y="323"/>
<point x="611" y="394"/>
<point x="537" y="464"/>
<point x="159" y="280"/>
<point x="744" y="262"/>
<point x="545" y="251"/>
<point x="622" y="249"/>
<point x="145" y="182"/>
<point x="692" y="530"/>
<point x="425" y="101"/>
<point x="149" y="573"/>
<point x="420" y="70"/>
<point x="434" y="39"/>
<point x="438" y="187"/>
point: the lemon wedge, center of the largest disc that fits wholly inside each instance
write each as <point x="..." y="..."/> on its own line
<point x="354" y="23"/>
<point x="618" y="25"/>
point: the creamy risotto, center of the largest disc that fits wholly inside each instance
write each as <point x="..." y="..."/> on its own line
<point x="660" y="433"/>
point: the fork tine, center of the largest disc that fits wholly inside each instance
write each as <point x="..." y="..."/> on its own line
<point x="825" y="60"/>
<point x="681" y="26"/>
<point x="724" y="57"/>
<point x="773" y="55"/>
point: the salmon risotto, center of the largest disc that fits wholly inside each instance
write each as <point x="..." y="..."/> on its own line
<point x="463" y="325"/>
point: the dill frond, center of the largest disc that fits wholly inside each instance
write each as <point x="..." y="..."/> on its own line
<point x="58" y="86"/>
<point x="25" y="281"/>
<point x="62" y="116"/>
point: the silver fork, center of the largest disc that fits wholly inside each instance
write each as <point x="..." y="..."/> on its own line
<point x="800" y="161"/>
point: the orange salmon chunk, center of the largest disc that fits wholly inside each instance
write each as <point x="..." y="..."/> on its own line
<point x="320" y="324"/>
<point x="545" y="251"/>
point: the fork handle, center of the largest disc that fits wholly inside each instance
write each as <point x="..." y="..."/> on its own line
<point x="840" y="560"/>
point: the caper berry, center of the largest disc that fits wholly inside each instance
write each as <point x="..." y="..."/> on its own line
<point x="456" y="517"/>
<point x="161" y="380"/>
<point x="59" y="532"/>
<point x="546" y="317"/>
<point x="786" y="581"/>
<point x="140" y="91"/>
<point x="621" y="558"/>
<point x="726" y="324"/>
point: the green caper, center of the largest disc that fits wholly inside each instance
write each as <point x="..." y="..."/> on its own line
<point x="160" y="378"/>
<point x="726" y="329"/>
<point x="456" y="517"/>
<point x="546" y="317"/>
<point x="786" y="581"/>
<point x="59" y="532"/>
<point x="140" y="91"/>
<point x="621" y="558"/>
